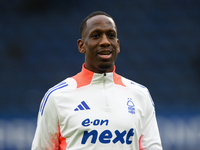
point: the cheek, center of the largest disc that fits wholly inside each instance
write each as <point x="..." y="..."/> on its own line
<point x="89" y="54"/>
<point x="90" y="48"/>
<point x="116" y="47"/>
<point x="116" y="51"/>
<point x="115" y="55"/>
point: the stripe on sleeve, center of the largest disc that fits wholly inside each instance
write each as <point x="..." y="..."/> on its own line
<point x="59" y="86"/>
<point x="62" y="83"/>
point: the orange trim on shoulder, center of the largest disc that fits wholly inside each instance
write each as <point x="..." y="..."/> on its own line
<point x="117" y="79"/>
<point x="62" y="142"/>
<point x="84" y="77"/>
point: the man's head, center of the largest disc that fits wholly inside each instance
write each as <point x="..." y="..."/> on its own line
<point x="84" y="24"/>
<point x="99" y="42"/>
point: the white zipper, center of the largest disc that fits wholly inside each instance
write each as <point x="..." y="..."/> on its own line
<point x="105" y="91"/>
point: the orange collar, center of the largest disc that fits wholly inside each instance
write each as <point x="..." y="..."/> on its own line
<point x="85" y="77"/>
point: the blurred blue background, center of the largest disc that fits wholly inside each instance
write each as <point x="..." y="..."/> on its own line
<point x="160" y="48"/>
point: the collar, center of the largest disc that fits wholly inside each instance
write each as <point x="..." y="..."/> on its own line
<point x="86" y="77"/>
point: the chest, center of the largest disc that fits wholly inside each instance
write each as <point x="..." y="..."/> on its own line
<point x="99" y="108"/>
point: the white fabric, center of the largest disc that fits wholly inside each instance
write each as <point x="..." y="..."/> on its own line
<point x="115" y="116"/>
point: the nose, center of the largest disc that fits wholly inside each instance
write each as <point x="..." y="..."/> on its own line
<point x="104" y="41"/>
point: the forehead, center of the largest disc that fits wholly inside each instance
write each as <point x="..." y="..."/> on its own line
<point x="100" y="22"/>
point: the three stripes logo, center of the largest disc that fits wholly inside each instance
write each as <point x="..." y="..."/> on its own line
<point x="82" y="106"/>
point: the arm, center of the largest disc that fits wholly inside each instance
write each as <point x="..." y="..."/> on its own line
<point x="150" y="138"/>
<point x="47" y="131"/>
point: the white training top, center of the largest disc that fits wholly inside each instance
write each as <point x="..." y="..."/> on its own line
<point x="92" y="111"/>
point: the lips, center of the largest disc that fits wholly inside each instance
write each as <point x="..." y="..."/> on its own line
<point x="105" y="54"/>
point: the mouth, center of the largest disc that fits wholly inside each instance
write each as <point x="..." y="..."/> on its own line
<point x="105" y="54"/>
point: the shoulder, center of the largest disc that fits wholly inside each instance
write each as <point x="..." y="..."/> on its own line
<point x="132" y="84"/>
<point x="136" y="86"/>
<point x="53" y="94"/>
<point x="143" y="90"/>
<point x="66" y="85"/>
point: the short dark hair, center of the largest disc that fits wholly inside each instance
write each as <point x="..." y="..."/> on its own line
<point x="96" y="13"/>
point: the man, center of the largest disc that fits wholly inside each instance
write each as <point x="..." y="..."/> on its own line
<point x="97" y="109"/>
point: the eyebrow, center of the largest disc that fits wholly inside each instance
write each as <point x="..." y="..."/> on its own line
<point x="100" y="30"/>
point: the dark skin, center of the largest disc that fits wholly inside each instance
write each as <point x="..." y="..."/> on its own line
<point x="99" y="43"/>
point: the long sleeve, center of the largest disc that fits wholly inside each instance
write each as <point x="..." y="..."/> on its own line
<point x="150" y="138"/>
<point x="47" y="131"/>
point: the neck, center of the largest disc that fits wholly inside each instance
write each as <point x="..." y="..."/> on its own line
<point x="100" y="69"/>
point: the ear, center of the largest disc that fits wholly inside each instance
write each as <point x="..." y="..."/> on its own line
<point x="81" y="46"/>
<point x="118" y="47"/>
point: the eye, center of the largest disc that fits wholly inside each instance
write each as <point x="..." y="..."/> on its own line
<point x="112" y="35"/>
<point x="95" y="36"/>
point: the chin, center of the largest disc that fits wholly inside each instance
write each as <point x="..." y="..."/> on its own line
<point x="105" y="68"/>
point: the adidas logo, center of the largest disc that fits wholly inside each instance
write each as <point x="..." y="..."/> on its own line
<point x="82" y="106"/>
